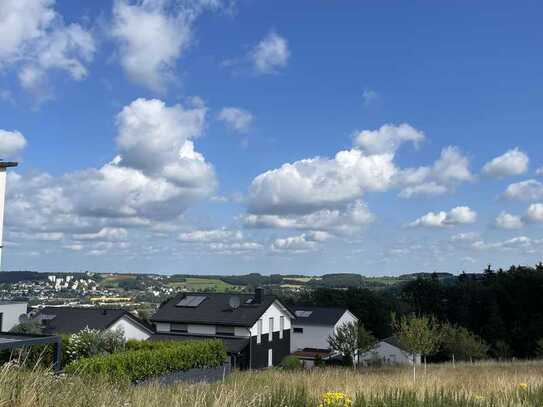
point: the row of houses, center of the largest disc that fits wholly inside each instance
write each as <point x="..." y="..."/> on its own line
<point x="258" y="330"/>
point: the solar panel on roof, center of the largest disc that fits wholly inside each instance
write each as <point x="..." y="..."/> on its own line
<point x="303" y="314"/>
<point x="191" y="301"/>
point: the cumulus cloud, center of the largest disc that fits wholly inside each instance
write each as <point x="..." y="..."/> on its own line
<point x="270" y="54"/>
<point x="513" y="162"/>
<point x="539" y="171"/>
<point x="153" y="35"/>
<point x="11" y="143"/>
<point x="155" y="177"/>
<point x="523" y="243"/>
<point x="456" y="216"/>
<point x="301" y="243"/>
<point x="237" y="119"/>
<point x="387" y="139"/>
<point x="535" y="213"/>
<point x="530" y="190"/>
<point x="450" y="170"/>
<point x="208" y="236"/>
<point x="35" y="39"/>
<point x="507" y="221"/>
<point x="345" y="220"/>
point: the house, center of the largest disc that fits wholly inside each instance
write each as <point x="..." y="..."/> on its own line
<point x="389" y="351"/>
<point x="255" y="328"/>
<point x="10" y="313"/>
<point x="313" y="325"/>
<point x="67" y="320"/>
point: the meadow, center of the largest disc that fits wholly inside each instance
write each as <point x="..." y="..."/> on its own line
<point x="481" y="384"/>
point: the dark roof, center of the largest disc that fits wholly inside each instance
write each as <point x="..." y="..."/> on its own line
<point x="214" y="309"/>
<point x="319" y="315"/>
<point x="312" y="353"/>
<point x="231" y="343"/>
<point x="69" y="320"/>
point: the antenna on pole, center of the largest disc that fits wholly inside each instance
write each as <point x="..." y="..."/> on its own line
<point x="3" y="166"/>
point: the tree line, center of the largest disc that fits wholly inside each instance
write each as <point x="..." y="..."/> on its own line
<point x="502" y="307"/>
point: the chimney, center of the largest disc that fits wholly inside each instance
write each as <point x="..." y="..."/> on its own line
<point x="3" y="166"/>
<point x="259" y="292"/>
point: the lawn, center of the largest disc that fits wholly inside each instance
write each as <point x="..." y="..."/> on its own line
<point x="484" y="384"/>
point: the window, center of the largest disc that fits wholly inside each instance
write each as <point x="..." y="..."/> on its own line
<point x="270" y="357"/>
<point x="298" y="330"/>
<point x="179" y="328"/>
<point x="259" y="331"/>
<point x="191" y="301"/>
<point x="303" y="314"/>
<point x="225" y="330"/>
<point x="270" y="334"/>
<point x="281" y="326"/>
<point x="1" y="322"/>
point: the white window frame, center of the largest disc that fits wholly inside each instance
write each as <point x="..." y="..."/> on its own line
<point x="270" y="329"/>
<point x="270" y="357"/>
<point x="281" y="326"/>
<point x="259" y="331"/>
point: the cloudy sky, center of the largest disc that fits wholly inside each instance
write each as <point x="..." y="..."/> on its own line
<point x="310" y="137"/>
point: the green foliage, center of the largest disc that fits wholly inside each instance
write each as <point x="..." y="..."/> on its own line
<point x="92" y="342"/>
<point x="137" y="365"/>
<point x="460" y="343"/>
<point x="539" y="348"/>
<point x="351" y="338"/>
<point x="420" y="335"/>
<point x="30" y="326"/>
<point x="291" y="363"/>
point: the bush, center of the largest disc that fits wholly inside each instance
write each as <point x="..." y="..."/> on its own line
<point x="92" y="342"/>
<point x="158" y="359"/>
<point x="291" y="363"/>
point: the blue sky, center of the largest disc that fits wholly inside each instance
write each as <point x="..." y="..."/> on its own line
<point x="301" y="137"/>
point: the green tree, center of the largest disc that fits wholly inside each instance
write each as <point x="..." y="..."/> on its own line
<point x="539" y="348"/>
<point x="28" y="326"/>
<point x="418" y="335"/>
<point x="462" y="344"/>
<point x="351" y="339"/>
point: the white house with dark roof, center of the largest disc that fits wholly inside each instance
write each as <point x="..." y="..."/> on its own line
<point x="67" y="320"/>
<point x="255" y="328"/>
<point x="10" y="314"/>
<point x="313" y="326"/>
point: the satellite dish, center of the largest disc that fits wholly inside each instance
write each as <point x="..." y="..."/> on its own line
<point x="234" y="302"/>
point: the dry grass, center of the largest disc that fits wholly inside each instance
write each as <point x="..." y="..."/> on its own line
<point x="466" y="385"/>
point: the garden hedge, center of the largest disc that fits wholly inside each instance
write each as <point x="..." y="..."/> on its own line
<point x="152" y="360"/>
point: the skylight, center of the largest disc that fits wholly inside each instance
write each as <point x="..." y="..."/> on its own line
<point x="303" y="314"/>
<point x="191" y="301"/>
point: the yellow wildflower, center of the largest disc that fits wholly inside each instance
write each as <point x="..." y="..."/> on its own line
<point x="523" y="386"/>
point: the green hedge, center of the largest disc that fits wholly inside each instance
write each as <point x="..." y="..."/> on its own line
<point x="152" y="360"/>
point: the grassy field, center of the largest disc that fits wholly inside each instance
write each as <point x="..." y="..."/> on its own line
<point x="204" y="284"/>
<point x="485" y="384"/>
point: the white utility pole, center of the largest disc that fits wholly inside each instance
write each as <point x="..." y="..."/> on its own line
<point x="3" y="166"/>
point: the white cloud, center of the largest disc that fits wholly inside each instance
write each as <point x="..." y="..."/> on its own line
<point x="208" y="236"/>
<point x="464" y="237"/>
<point x="346" y="220"/>
<point x="456" y="216"/>
<point x="539" y="171"/>
<point x="239" y="120"/>
<point x="153" y="35"/>
<point x="35" y="39"/>
<point x="301" y="243"/>
<point x="507" y="221"/>
<point x="513" y="162"/>
<point x="535" y="213"/>
<point x="530" y="190"/>
<point x="387" y="139"/>
<point x="11" y="143"/>
<point x="450" y="170"/>
<point x="270" y="54"/>
<point x="523" y="243"/>
<point x="313" y="184"/>
<point x="154" y="179"/>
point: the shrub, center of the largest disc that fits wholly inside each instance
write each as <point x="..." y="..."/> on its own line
<point x="291" y="363"/>
<point x="92" y="342"/>
<point x="162" y="358"/>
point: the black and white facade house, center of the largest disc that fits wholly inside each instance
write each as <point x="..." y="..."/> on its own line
<point x="255" y="328"/>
